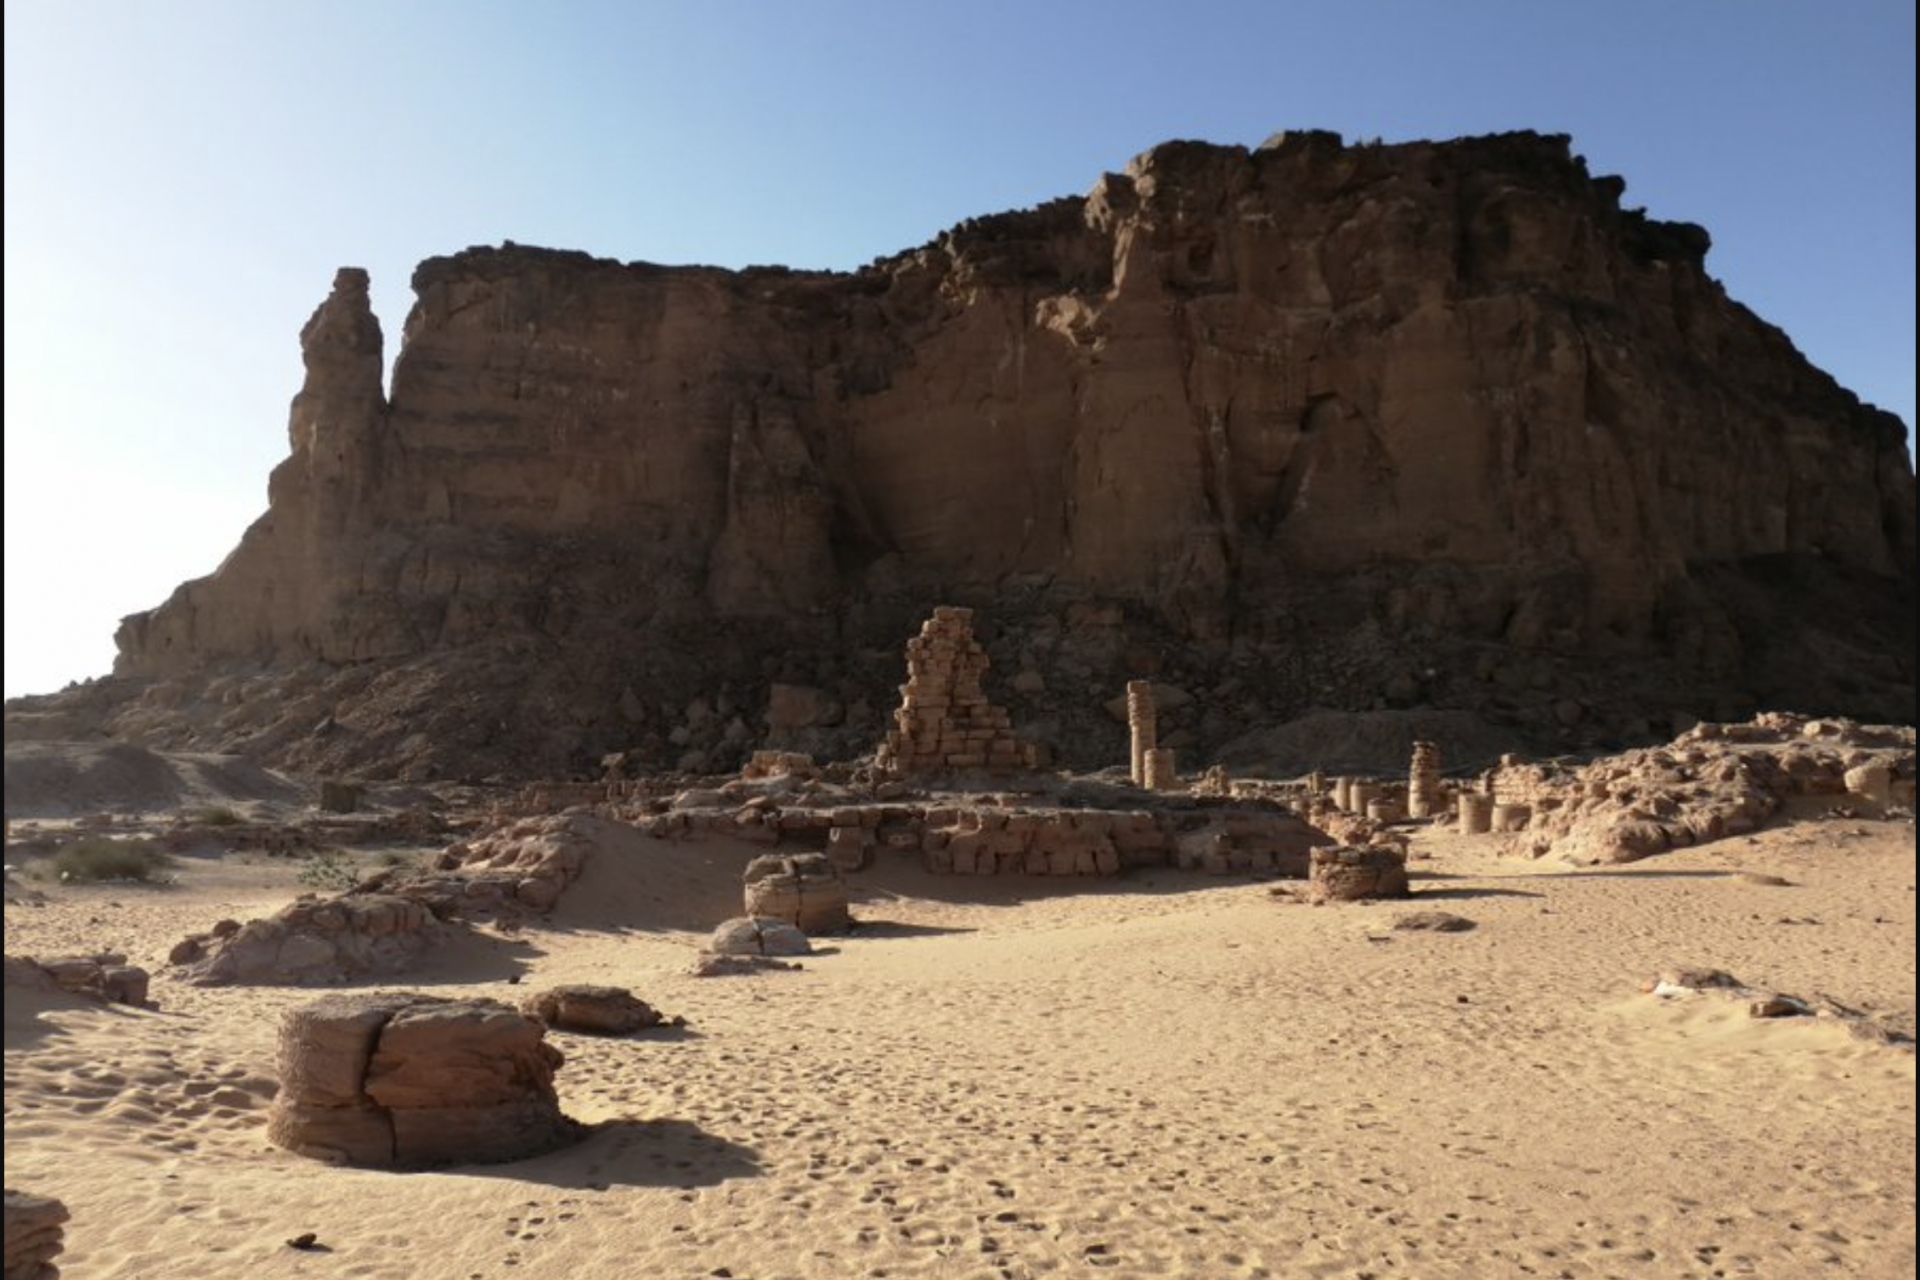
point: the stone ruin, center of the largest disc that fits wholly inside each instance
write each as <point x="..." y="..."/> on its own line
<point x="747" y="945"/>
<point x="1475" y="809"/>
<point x="758" y="936"/>
<point x="592" y="1010"/>
<point x="521" y="866"/>
<point x="1350" y="874"/>
<point x="779" y="764"/>
<point x="1143" y="727"/>
<point x="1424" y="799"/>
<point x="34" y="1236"/>
<point x="104" y="976"/>
<point x="312" y="941"/>
<point x="1150" y="765"/>
<point x="944" y="722"/>
<point x="408" y="1081"/>
<point x="805" y="890"/>
<point x="386" y="924"/>
<point x="1713" y="781"/>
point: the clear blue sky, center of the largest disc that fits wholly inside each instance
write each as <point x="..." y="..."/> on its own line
<point x="182" y="179"/>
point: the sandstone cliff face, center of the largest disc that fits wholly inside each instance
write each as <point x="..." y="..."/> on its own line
<point x="1436" y="423"/>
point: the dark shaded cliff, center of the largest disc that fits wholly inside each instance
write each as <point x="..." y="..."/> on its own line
<point x="1427" y="425"/>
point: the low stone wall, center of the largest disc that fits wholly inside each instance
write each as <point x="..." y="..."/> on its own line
<point x="952" y="837"/>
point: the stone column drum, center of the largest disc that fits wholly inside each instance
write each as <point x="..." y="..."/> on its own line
<point x="400" y="1080"/>
<point x="1161" y="775"/>
<point x="805" y="890"/>
<point x="1476" y="813"/>
<point x="1384" y="809"/>
<point x="1423" y="781"/>
<point x="1511" y="817"/>
<point x="1354" y="874"/>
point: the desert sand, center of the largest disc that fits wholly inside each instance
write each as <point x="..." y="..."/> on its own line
<point x="1165" y="1075"/>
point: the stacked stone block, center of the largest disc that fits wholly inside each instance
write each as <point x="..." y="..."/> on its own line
<point x="804" y="890"/>
<point x="1161" y="773"/>
<point x="1356" y="874"/>
<point x="945" y="722"/>
<point x="1476" y="813"/>
<point x="1143" y="726"/>
<point x="1424" y="799"/>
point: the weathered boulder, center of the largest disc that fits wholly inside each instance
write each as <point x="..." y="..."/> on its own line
<point x="1432" y="922"/>
<point x="313" y="941"/>
<point x="1712" y="781"/>
<point x="596" y="1010"/>
<point x="33" y="1236"/>
<point x="408" y="1081"/>
<point x="712" y="964"/>
<point x="756" y="936"/>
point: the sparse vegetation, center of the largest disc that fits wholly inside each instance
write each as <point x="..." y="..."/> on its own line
<point x="395" y="858"/>
<point x="215" y="815"/>
<point x="94" y="859"/>
<point x="329" y="869"/>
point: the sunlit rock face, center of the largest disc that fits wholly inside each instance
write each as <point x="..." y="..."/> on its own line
<point x="1312" y="425"/>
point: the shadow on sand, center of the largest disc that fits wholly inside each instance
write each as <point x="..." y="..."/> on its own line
<point x="869" y="927"/>
<point x="1422" y="893"/>
<point x="633" y="1153"/>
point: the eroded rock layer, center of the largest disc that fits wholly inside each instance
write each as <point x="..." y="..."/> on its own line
<point x="1309" y="425"/>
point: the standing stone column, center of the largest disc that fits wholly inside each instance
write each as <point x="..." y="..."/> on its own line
<point x="1160" y="774"/>
<point x="1511" y="817"/>
<point x="1423" y="781"/>
<point x="1476" y="813"/>
<point x="1143" y="719"/>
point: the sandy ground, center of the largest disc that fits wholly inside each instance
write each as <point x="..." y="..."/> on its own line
<point x="1168" y="1076"/>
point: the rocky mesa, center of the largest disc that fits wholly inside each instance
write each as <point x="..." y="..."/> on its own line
<point x="1437" y="427"/>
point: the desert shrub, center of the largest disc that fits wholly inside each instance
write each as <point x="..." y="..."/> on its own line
<point x="214" y="815"/>
<point x="97" y="858"/>
<point x="329" y="869"/>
